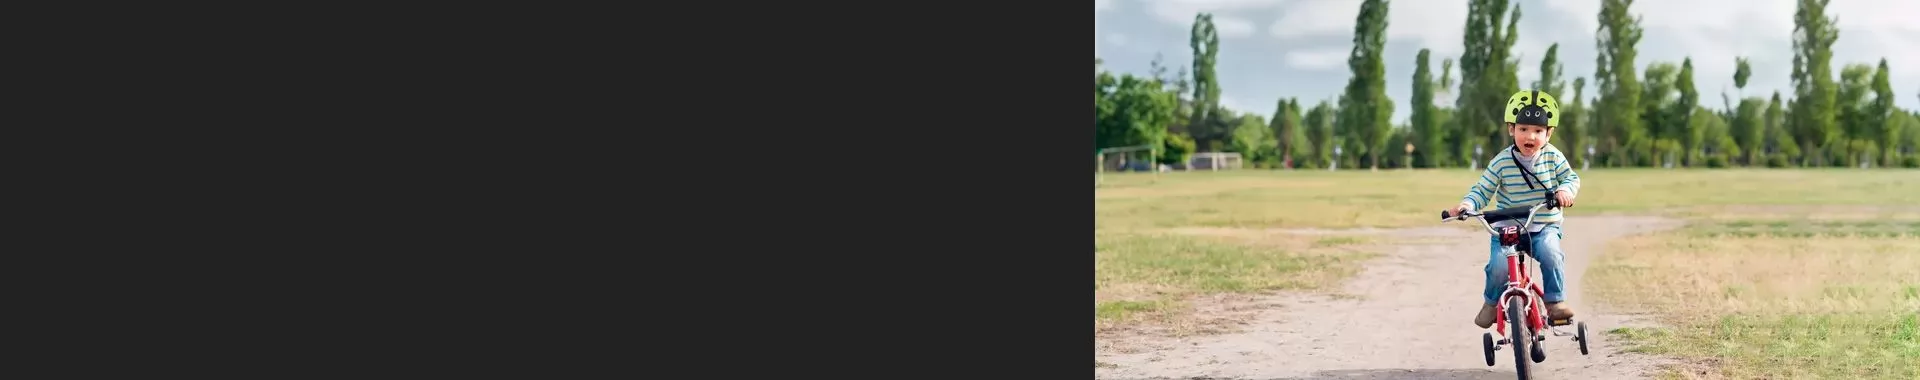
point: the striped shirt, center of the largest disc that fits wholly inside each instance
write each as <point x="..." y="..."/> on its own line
<point x="1505" y="184"/>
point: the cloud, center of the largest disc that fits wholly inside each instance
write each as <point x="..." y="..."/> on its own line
<point x="1244" y="108"/>
<point x="1431" y="24"/>
<point x="1117" y="39"/>
<point x="1230" y="27"/>
<point x="1309" y="18"/>
<point x="1102" y="5"/>
<point x="1181" y="12"/>
<point x="1318" y="59"/>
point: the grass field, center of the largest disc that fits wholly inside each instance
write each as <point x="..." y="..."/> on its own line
<point x="1780" y="274"/>
<point x="1781" y="297"/>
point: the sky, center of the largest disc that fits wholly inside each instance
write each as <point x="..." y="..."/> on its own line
<point x="1271" y="49"/>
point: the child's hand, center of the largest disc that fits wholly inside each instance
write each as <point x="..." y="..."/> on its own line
<point x="1565" y="198"/>
<point x="1461" y="209"/>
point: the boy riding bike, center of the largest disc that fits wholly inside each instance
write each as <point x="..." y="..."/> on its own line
<point x="1527" y="173"/>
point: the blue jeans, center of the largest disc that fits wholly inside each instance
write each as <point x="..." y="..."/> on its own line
<point x="1546" y="249"/>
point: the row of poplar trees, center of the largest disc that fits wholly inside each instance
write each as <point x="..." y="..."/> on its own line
<point x="1634" y="117"/>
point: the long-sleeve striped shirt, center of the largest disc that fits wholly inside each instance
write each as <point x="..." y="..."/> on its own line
<point x="1505" y="184"/>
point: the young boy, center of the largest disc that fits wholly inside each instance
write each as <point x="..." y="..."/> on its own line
<point x="1525" y="174"/>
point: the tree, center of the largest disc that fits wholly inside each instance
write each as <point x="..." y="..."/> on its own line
<point x="1182" y="83"/>
<point x="1298" y="138"/>
<point x="1708" y="132"/>
<point x="1286" y="129"/>
<point x="1550" y="72"/>
<point x="1813" y="106"/>
<point x="1177" y="149"/>
<point x="1741" y="71"/>
<point x="1367" y="109"/>
<point x="1572" y="132"/>
<point x="1908" y="143"/>
<point x="1551" y="83"/>
<point x="1616" y="43"/>
<point x="1692" y="138"/>
<point x="1132" y="111"/>
<point x="1252" y="138"/>
<point x="1749" y="129"/>
<point x="1205" y="43"/>
<point x="1426" y="128"/>
<point x="1882" y="114"/>
<point x="1319" y="122"/>
<point x="1856" y="121"/>
<point x="1447" y="134"/>
<point x="1778" y="133"/>
<point x="1178" y="82"/>
<point x="1659" y="114"/>
<point x="1487" y="76"/>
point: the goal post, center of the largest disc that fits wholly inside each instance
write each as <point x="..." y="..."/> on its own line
<point x="1215" y="161"/>
<point x="1100" y="159"/>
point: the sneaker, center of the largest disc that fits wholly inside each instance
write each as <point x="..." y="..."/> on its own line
<point x="1485" y="319"/>
<point x="1559" y="311"/>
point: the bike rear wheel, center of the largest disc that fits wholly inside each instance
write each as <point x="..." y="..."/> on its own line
<point x="1517" y="327"/>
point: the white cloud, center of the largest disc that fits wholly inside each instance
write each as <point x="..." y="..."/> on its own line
<point x="1436" y="24"/>
<point x="1307" y="18"/>
<point x="1240" y="106"/>
<point x="1102" y="5"/>
<point x="1318" y="59"/>
<point x="1230" y="27"/>
<point x="1181" y="12"/>
<point x="1431" y="24"/>
<point x="1117" y="39"/>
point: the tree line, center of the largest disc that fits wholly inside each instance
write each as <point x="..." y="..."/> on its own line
<point x="1634" y="117"/>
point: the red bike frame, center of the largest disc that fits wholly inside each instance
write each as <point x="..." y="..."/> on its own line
<point x="1519" y="281"/>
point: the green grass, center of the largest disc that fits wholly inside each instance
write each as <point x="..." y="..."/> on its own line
<point x="1123" y="309"/>
<point x="1780" y="274"/>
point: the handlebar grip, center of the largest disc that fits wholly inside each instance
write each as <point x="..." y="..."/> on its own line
<point x="1443" y="215"/>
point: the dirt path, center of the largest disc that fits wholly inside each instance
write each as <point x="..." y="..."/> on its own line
<point x="1412" y="319"/>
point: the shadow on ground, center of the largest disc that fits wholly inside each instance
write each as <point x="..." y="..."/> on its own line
<point x="1380" y="374"/>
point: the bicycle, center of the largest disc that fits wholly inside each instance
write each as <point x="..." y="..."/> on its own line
<point x="1521" y="301"/>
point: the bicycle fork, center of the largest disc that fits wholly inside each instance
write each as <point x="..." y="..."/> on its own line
<point x="1518" y="283"/>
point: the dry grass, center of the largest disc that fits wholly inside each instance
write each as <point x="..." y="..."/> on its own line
<point x="1774" y="298"/>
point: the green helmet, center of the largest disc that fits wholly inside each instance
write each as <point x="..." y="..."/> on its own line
<point x="1532" y="107"/>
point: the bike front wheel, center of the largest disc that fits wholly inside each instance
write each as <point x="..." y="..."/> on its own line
<point x="1518" y="331"/>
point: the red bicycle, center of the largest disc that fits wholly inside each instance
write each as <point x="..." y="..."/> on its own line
<point x="1521" y="301"/>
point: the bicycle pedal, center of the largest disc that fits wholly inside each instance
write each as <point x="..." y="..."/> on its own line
<point x="1559" y="322"/>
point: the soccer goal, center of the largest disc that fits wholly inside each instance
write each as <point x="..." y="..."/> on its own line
<point x="1125" y="158"/>
<point x="1214" y="161"/>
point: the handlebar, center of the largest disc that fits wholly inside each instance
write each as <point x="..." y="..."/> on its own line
<point x="1502" y="214"/>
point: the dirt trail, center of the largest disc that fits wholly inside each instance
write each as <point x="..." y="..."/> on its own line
<point x="1413" y="319"/>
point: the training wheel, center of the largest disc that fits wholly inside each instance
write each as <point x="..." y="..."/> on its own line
<point x="1580" y="334"/>
<point x="1486" y="344"/>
